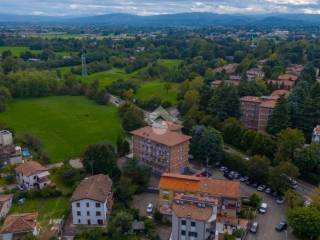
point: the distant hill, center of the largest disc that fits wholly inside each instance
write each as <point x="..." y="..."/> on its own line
<point x="180" y="19"/>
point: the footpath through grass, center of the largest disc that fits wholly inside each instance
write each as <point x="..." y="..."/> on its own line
<point x="65" y="125"/>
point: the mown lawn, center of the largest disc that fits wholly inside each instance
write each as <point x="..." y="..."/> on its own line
<point x="47" y="209"/>
<point x="16" y="51"/>
<point x="65" y="125"/>
<point x="169" y="63"/>
<point x="107" y="77"/>
<point x="157" y="88"/>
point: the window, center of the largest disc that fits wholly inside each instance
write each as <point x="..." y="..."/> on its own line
<point x="88" y="213"/>
<point x="79" y="220"/>
<point x="88" y="204"/>
<point x="193" y="234"/>
<point x="98" y="213"/>
<point x="98" y="204"/>
<point x="78" y="204"/>
<point x="183" y="233"/>
<point x="183" y="222"/>
<point x="193" y="224"/>
<point x="78" y="213"/>
<point x="89" y="222"/>
<point x="100" y="222"/>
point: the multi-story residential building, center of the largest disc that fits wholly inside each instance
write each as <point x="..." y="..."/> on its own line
<point x="255" y="111"/>
<point x="32" y="174"/>
<point x="5" y="138"/>
<point x="92" y="201"/>
<point x="5" y="205"/>
<point x="226" y="192"/>
<point x="163" y="149"/>
<point x="228" y="68"/>
<point x="255" y="74"/>
<point x="316" y="134"/>
<point x="17" y="226"/>
<point x="194" y="217"/>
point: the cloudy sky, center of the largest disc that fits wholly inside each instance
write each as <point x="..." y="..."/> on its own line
<point x="150" y="7"/>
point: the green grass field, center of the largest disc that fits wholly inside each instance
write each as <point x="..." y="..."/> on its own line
<point x="169" y="63"/>
<point x="16" y="51"/>
<point x="157" y="88"/>
<point x="47" y="209"/>
<point x="107" y="77"/>
<point x="65" y="125"/>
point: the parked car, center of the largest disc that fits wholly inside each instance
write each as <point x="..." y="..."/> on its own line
<point x="261" y="188"/>
<point x="244" y="178"/>
<point x="281" y="226"/>
<point x="223" y="168"/>
<point x="236" y="175"/>
<point x="268" y="190"/>
<point x="263" y="208"/>
<point x="248" y="182"/>
<point x="280" y="200"/>
<point x="254" y="184"/>
<point x="149" y="208"/>
<point x="254" y="227"/>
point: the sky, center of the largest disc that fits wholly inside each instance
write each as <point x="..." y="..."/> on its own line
<point x="152" y="7"/>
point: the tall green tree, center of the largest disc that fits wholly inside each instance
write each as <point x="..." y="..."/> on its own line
<point x="258" y="168"/>
<point x="101" y="158"/>
<point x="305" y="222"/>
<point x="289" y="140"/>
<point x="131" y="116"/>
<point x="206" y="144"/>
<point x="279" y="118"/>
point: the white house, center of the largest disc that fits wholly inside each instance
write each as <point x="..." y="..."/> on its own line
<point x="9" y="153"/>
<point x="5" y="204"/>
<point x="31" y="174"/>
<point x="5" y="137"/>
<point x="18" y="225"/>
<point x="92" y="201"/>
<point x="316" y="134"/>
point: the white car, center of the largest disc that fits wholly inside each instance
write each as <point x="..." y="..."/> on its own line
<point x="149" y="208"/>
<point x="263" y="208"/>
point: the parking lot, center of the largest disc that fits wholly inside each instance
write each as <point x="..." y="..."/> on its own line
<point x="267" y="221"/>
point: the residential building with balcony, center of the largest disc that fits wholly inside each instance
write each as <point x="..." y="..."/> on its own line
<point x="255" y="74"/>
<point x="32" y="174"/>
<point x="161" y="148"/>
<point x="92" y="201"/>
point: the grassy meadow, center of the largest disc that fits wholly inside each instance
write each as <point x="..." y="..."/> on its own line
<point x="16" y="51"/>
<point x="65" y="125"/>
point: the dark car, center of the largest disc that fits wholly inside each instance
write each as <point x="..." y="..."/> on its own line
<point x="281" y="226"/>
<point x="254" y="227"/>
<point x="254" y="184"/>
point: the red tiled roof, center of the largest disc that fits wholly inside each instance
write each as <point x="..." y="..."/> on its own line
<point x="269" y="103"/>
<point x="288" y="77"/>
<point x="280" y="92"/>
<point x="251" y="99"/>
<point x="30" y="168"/>
<point x="192" y="211"/>
<point x="20" y="223"/>
<point x="193" y="184"/>
<point x="165" y="137"/>
<point x="97" y="188"/>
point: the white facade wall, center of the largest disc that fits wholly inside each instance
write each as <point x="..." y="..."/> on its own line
<point x="5" y="138"/>
<point x="29" y="182"/>
<point x="88" y="213"/>
<point x="5" y="208"/>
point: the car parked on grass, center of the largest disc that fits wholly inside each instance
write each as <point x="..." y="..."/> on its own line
<point x="263" y="208"/>
<point x="254" y="227"/>
<point x="281" y="226"/>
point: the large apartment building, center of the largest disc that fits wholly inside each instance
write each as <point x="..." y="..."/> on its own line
<point x="163" y="149"/>
<point x="255" y="111"/>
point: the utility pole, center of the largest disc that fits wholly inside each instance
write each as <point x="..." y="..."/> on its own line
<point x="84" y="71"/>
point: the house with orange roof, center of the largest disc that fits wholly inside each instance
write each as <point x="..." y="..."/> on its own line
<point x="17" y="226"/>
<point x="163" y="148"/>
<point x="32" y="174"/>
<point x="226" y="192"/>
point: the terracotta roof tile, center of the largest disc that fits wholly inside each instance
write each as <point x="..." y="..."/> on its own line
<point x="193" y="184"/>
<point x="165" y="137"/>
<point x="192" y="211"/>
<point x="269" y="103"/>
<point x="97" y="188"/>
<point x="30" y="168"/>
<point x="288" y="77"/>
<point x="280" y="92"/>
<point x="20" y="223"/>
<point x="251" y="99"/>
